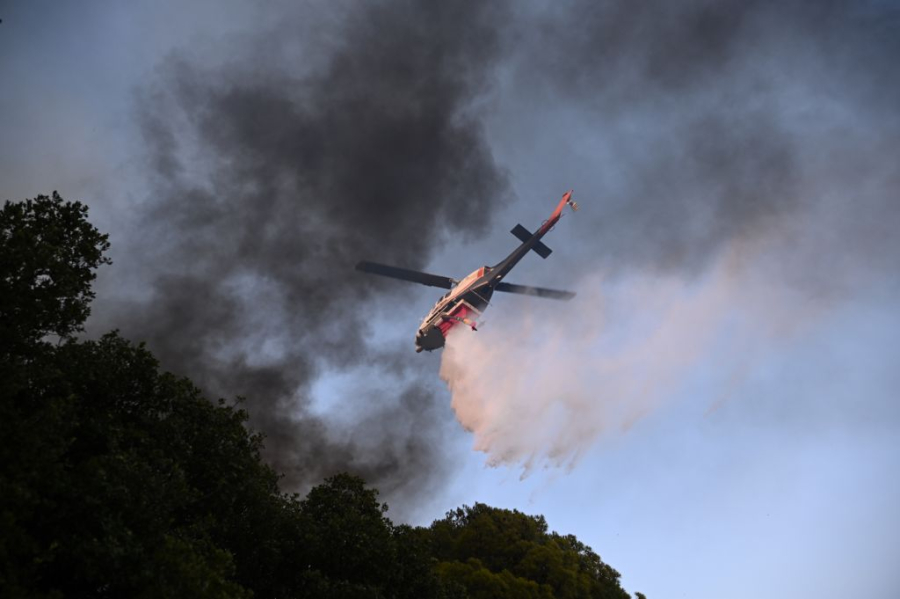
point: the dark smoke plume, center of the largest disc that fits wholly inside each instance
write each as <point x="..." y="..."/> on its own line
<point x="271" y="178"/>
<point x="761" y="132"/>
<point x="721" y="122"/>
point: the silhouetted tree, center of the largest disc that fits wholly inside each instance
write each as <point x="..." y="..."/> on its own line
<point x="496" y="552"/>
<point x="119" y="480"/>
<point x="48" y="254"/>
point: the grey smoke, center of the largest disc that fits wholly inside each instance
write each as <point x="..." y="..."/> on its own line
<point x="704" y="122"/>
<point x="737" y="165"/>
<point x="272" y="175"/>
<point x="692" y="130"/>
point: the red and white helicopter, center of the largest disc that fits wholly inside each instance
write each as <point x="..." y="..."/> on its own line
<point x="468" y="298"/>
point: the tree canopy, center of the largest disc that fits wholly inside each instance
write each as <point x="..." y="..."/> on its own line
<point x="121" y="480"/>
<point x="48" y="254"/>
<point x="501" y="553"/>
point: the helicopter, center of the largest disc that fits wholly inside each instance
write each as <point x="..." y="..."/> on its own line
<point x="468" y="298"/>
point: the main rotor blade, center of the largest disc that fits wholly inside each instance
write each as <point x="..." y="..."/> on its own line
<point x="536" y="291"/>
<point x="403" y="274"/>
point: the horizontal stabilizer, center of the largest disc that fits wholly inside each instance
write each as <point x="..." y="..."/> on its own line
<point x="524" y="234"/>
<point x="535" y="291"/>
<point x="403" y="274"/>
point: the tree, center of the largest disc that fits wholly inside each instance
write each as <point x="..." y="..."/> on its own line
<point x="117" y="479"/>
<point x="346" y="535"/>
<point x="414" y="575"/>
<point x="492" y="551"/>
<point x="120" y="480"/>
<point x="48" y="254"/>
<point x="101" y="459"/>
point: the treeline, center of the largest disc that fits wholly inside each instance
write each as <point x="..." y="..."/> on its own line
<point x="119" y="480"/>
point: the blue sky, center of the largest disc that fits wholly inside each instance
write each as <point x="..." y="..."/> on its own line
<point x="767" y="464"/>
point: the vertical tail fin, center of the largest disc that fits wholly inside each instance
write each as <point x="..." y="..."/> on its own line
<point x="554" y="218"/>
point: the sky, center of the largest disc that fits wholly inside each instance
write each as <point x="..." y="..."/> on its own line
<point x="716" y="412"/>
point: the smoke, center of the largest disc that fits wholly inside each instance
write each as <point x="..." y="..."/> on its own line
<point x="706" y="122"/>
<point x="537" y="387"/>
<point x="743" y="186"/>
<point x="273" y="173"/>
<point x="722" y="151"/>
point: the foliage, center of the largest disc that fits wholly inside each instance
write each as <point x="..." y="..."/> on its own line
<point x="346" y="525"/>
<point x="495" y="552"/>
<point x="48" y="254"/>
<point x="113" y="472"/>
<point x="120" y="480"/>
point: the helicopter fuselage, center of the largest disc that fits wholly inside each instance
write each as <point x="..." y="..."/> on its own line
<point x="471" y="296"/>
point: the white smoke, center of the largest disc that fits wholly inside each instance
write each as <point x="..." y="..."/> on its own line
<point x="541" y="381"/>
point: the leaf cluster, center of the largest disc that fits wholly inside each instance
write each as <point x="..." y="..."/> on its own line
<point x="48" y="254"/>
<point x="494" y="552"/>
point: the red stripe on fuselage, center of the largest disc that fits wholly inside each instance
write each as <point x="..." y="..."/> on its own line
<point x="460" y="312"/>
